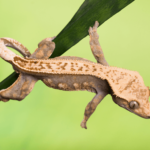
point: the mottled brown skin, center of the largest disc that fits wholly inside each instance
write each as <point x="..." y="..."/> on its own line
<point x="72" y="81"/>
<point x="25" y="82"/>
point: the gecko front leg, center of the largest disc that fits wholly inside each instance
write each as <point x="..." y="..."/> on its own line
<point x="90" y="108"/>
<point x="95" y="45"/>
<point x="98" y="54"/>
<point x="44" y="50"/>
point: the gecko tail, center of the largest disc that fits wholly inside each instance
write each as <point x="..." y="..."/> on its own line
<point x="5" y="53"/>
<point x="9" y="42"/>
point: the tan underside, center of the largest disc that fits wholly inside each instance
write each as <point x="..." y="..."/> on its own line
<point x="125" y="84"/>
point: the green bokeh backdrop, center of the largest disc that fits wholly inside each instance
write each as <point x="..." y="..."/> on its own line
<point x="50" y="119"/>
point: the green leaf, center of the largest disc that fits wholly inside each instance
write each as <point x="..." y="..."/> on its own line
<point x="89" y="12"/>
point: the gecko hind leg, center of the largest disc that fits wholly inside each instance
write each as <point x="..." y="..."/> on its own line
<point x="19" y="89"/>
<point x="44" y="50"/>
<point x="90" y="108"/>
<point x="95" y="45"/>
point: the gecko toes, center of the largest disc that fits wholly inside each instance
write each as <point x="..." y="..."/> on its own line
<point x="4" y="100"/>
<point x="50" y="38"/>
<point x="83" y="125"/>
<point x="90" y="30"/>
<point x="96" y="24"/>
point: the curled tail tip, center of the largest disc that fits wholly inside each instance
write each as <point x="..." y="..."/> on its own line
<point x="5" y="53"/>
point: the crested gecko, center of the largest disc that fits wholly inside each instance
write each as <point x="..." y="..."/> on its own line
<point x="74" y="73"/>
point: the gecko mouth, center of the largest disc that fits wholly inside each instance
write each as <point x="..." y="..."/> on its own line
<point x="146" y="117"/>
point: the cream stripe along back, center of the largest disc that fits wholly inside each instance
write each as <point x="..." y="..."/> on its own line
<point x="124" y="83"/>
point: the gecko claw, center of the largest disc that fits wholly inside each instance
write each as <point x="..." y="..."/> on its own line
<point x="93" y="31"/>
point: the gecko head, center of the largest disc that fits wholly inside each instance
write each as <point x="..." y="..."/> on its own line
<point x="136" y="106"/>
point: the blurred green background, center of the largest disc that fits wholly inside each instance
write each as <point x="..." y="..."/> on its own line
<point x="50" y="119"/>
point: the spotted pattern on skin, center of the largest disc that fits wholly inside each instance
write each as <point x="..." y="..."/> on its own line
<point x="77" y="86"/>
<point x="63" y="86"/>
<point x="89" y="87"/>
<point x="49" y="82"/>
<point x="125" y="84"/>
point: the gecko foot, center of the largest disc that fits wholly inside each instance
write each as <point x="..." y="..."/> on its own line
<point x="93" y="30"/>
<point x="4" y="100"/>
<point x="83" y="124"/>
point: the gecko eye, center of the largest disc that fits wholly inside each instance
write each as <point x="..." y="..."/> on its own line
<point x="133" y="104"/>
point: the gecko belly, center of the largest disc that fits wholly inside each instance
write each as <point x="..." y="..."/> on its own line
<point x="76" y="83"/>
